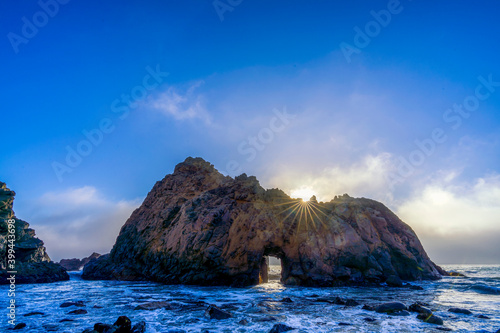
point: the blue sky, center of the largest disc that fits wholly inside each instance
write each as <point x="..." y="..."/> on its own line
<point x="379" y="122"/>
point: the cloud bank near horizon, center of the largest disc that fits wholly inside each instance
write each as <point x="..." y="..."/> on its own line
<point x="76" y="222"/>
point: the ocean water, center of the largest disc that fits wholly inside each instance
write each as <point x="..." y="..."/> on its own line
<point x="259" y="305"/>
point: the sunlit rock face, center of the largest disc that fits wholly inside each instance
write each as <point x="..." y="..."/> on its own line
<point x="32" y="262"/>
<point x="197" y="226"/>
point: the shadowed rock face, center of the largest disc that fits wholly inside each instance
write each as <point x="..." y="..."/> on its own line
<point x="197" y="226"/>
<point x="32" y="264"/>
<point x="75" y="264"/>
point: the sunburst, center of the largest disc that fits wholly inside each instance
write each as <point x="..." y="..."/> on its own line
<point x="304" y="214"/>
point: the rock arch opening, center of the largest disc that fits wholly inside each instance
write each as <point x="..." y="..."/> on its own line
<point x="271" y="265"/>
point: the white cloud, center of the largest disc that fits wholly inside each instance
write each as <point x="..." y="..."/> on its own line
<point x="457" y="223"/>
<point x="368" y="177"/>
<point x="173" y="102"/>
<point x="446" y="209"/>
<point x="79" y="221"/>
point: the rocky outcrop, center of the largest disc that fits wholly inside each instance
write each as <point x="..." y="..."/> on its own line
<point x="197" y="226"/>
<point x="77" y="264"/>
<point x="32" y="262"/>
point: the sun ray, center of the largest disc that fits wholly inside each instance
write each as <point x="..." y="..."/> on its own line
<point x="313" y="209"/>
<point x="289" y="207"/>
<point x="318" y="207"/>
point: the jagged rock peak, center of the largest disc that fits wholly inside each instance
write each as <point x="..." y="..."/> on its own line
<point x="33" y="264"/>
<point x="6" y="201"/>
<point x="77" y="264"/>
<point x="194" y="165"/>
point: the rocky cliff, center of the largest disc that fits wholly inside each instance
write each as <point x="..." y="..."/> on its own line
<point x="32" y="263"/>
<point x="75" y="264"/>
<point x="197" y="226"/>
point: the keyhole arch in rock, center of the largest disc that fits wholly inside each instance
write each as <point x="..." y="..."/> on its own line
<point x="275" y="252"/>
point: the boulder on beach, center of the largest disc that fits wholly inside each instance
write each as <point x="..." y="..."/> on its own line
<point x="430" y="318"/>
<point x="122" y="325"/>
<point x="416" y="307"/>
<point x="153" y="306"/>
<point x="32" y="263"/>
<point x="279" y="328"/>
<point x="197" y="226"/>
<point x="460" y="310"/>
<point x="394" y="281"/>
<point x="214" y="312"/>
<point x="391" y="307"/>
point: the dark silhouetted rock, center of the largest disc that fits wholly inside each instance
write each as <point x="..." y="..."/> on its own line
<point x="140" y="327"/>
<point x="33" y="264"/>
<point x="214" y="312"/>
<point x="279" y="328"/>
<point x="68" y="304"/>
<point x="390" y="307"/>
<point x="286" y="300"/>
<point x="370" y="320"/>
<point x="78" y="312"/>
<point x="153" y="306"/>
<point x="265" y="319"/>
<point x="19" y="326"/>
<point x="459" y="310"/>
<point x="344" y="324"/>
<point x="101" y="328"/>
<point x="243" y="322"/>
<point x="430" y="318"/>
<point x="351" y="302"/>
<point x="338" y="301"/>
<point x="419" y="309"/>
<point x="483" y="317"/>
<point x="415" y="287"/>
<point x="394" y="281"/>
<point x="77" y="264"/>
<point x="66" y="320"/>
<point x="35" y="313"/>
<point x="197" y="226"/>
<point x="400" y="313"/>
<point x="123" y="324"/>
<point x="368" y="307"/>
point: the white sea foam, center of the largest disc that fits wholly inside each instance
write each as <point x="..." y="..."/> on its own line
<point x="260" y="305"/>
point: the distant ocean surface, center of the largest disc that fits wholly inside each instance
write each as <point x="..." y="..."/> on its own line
<point x="260" y="305"/>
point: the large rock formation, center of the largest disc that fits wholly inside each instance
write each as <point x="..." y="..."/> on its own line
<point x="32" y="262"/>
<point x="75" y="264"/>
<point x="197" y="226"/>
